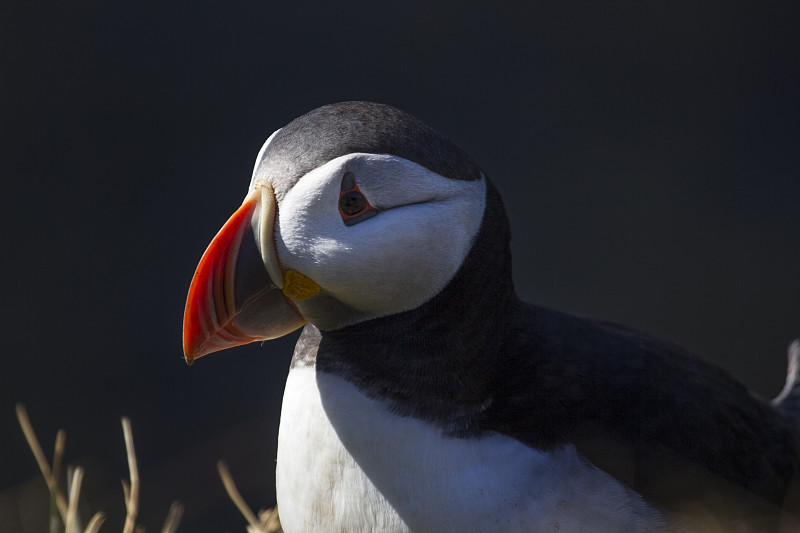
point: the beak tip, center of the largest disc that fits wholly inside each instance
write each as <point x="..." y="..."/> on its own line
<point x="190" y="336"/>
<point x="196" y="345"/>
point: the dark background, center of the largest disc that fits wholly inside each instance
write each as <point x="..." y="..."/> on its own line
<point x="647" y="153"/>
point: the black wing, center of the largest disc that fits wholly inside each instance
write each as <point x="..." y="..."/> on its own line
<point x="676" y="429"/>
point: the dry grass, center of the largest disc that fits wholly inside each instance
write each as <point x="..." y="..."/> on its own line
<point x="64" y="515"/>
<point x="267" y="521"/>
<point x="65" y="511"/>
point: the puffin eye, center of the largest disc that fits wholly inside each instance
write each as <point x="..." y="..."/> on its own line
<point x="352" y="202"/>
<point x="353" y="205"/>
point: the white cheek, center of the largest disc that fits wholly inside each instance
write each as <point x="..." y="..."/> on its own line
<point x="405" y="257"/>
<point x="390" y="263"/>
<point x="309" y="227"/>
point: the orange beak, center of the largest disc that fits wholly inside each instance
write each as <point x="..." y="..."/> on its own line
<point x="235" y="296"/>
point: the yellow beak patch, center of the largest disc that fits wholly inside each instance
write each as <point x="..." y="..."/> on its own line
<point x="296" y="286"/>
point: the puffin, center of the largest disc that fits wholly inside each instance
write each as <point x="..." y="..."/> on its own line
<point x="424" y="395"/>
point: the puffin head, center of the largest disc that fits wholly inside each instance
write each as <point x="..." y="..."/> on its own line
<point x="355" y="211"/>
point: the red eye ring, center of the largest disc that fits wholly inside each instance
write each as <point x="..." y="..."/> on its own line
<point x="353" y="205"/>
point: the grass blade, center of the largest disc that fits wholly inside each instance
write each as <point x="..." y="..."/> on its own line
<point x="233" y="493"/>
<point x="132" y="500"/>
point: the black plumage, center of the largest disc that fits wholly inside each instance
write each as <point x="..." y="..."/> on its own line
<point x="339" y="129"/>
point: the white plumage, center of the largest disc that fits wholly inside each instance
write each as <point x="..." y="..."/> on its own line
<point x="366" y="469"/>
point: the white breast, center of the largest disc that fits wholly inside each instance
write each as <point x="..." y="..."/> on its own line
<point x="346" y="463"/>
